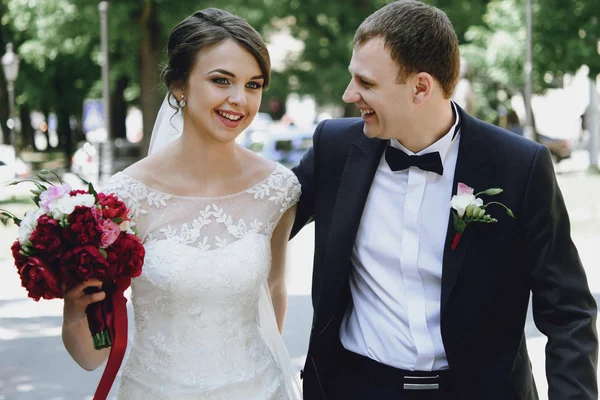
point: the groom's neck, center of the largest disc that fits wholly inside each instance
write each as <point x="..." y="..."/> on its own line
<point x="428" y="124"/>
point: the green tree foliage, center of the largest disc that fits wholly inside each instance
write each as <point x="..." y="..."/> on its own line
<point x="566" y="36"/>
<point x="327" y="30"/>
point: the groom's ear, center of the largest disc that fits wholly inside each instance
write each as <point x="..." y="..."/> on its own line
<point x="422" y="87"/>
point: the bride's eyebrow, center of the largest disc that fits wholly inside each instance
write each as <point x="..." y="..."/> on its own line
<point x="231" y="74"/>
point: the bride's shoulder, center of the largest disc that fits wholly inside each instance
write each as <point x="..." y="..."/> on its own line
<point x="149" y="170"/>
<point x="141" y="170"/>
<point x="281" y="179"/>
<point x="129" y="181"/>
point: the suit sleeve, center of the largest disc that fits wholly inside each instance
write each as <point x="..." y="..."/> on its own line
<point x="306" y="171"/>
<point x="563" y="308"/>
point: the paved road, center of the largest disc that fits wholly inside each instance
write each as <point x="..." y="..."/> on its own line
<point x="35" y="366"/>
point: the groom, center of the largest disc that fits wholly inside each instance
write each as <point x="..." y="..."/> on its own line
<point x="403" y="307"/>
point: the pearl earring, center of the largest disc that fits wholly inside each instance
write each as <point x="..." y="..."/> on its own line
<point x="182" y="102"/>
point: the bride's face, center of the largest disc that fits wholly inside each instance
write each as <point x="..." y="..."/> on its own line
<point x="223" y="92"/>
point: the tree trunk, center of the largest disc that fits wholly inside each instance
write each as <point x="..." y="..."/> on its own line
<point x="536" y="135"/>
<point x="5" y="134"/>
<point x="150" y="99"/>
<point x="27" y="131"/>
<point x="46" y="111"/>
<point x="65" y="136"/>
<point x="118" y="108"/>
<point x="63" y="129"/>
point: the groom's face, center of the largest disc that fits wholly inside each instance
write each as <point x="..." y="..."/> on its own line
<point x="385" y="104"/>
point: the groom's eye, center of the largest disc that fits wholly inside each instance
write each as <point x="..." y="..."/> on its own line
<point x="365" y="83"/>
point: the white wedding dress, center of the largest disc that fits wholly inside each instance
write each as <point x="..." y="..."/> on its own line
<point x="198" y="330"/>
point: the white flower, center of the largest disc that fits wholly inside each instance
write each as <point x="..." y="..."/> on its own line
<point x="66" y="205"/>
<point x="461" y="201"/>
<point x="125" y="226"/>
<point x="28" y="225"/>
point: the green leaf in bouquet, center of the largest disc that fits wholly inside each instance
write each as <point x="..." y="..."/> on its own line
<point x="45" y="180"/>
<point x="7" y="215"/>
<point x="103" y="252"/>
<point x="48" y="172"/>
<point x="118" y="220"/>
<point x="39" y="187"/>
<point x="92" y="191"/>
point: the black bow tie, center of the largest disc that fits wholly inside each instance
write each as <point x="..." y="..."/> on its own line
<point x="399" y="160"/>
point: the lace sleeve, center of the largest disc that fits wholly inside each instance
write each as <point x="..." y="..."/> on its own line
<point x="287" y="194"/>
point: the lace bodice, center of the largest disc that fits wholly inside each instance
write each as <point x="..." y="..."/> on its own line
<point x="196" y="303"/>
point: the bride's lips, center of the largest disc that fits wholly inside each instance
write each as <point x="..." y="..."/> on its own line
<point x="226" y="121"/>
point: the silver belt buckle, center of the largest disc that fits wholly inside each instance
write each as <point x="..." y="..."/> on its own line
<point x="421" y="386"/>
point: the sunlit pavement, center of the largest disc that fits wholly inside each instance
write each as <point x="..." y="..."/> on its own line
<point x="35" y="366"/>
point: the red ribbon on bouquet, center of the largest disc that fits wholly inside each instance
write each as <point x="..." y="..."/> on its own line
<point x="118" y="333"/>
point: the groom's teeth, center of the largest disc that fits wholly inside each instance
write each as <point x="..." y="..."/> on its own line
<point x="229" y="116"/>
<point x="367" y="112"/>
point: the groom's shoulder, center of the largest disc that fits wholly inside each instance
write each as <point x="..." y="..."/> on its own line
<point x="340" y="128"/>
<point x="504" y="142"/>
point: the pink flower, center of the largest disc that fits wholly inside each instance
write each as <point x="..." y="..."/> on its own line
<point x="110" y="233"/>
<point x="52" y="194"/>
<point x="464" y="189"/>
<point x="96" y="213"/>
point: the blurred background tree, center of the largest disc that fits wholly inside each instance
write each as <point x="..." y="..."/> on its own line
<point x="565" y="37"/>
<point x="59" y="43"/>
<point x="327" y="30"/>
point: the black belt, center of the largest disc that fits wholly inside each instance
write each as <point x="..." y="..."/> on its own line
<point x="395" y="378"/>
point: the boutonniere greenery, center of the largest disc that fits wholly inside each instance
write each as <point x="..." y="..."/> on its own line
<point x="468" y="207"/>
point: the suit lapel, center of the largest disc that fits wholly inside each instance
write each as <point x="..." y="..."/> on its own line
<point x="473" y="169"/>
<point x="361" y="164"/>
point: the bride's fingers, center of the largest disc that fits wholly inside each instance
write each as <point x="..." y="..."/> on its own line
<point x="79" y="291"/>
<point x="92" y="298"/>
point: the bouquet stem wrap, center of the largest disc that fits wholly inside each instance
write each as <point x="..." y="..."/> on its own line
<point x="116" y="324"/>
<point x="100" y="316"/>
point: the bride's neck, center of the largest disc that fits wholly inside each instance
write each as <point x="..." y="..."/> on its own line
<point x="203" y="157"/>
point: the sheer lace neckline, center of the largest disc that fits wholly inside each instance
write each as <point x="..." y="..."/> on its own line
<point x="226" y="196"/>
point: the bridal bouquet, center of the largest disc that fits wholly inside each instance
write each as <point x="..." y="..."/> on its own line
<point x="74" y="236"/>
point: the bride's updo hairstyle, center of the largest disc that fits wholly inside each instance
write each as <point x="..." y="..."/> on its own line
<point x="203" y="30"/>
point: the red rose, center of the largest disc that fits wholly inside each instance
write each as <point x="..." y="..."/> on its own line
<point x="74" y="193"/>
<point x="112" y="207"/>
<point x="39" y="280"/>
<point x="127" y="253"/>
<point x="81" y="264"/>
<point x="46" y="238"/>
<point x="20" y="259"/>
<point x="83" y="228"/>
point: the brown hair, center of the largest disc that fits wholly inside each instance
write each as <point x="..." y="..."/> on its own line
<point x="204" y="29"/>
<point x="420" y="38"/>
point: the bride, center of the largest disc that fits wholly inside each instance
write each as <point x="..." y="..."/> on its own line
<point x="214" y="218"/>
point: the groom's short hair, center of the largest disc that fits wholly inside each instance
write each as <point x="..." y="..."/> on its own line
<point x="420" y="38"/>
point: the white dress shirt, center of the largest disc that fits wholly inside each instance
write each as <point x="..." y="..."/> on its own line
<point x="397" y="258"/>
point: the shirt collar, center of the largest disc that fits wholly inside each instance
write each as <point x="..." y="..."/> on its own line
<point x="442" y="145"/>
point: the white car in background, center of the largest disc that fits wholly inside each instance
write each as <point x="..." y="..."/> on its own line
<point x="283" y="144"/>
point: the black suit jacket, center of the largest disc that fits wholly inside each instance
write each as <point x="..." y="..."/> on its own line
<point x="486" y="281"/>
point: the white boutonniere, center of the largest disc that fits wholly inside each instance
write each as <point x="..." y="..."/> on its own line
<point x="467" y="208"/>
